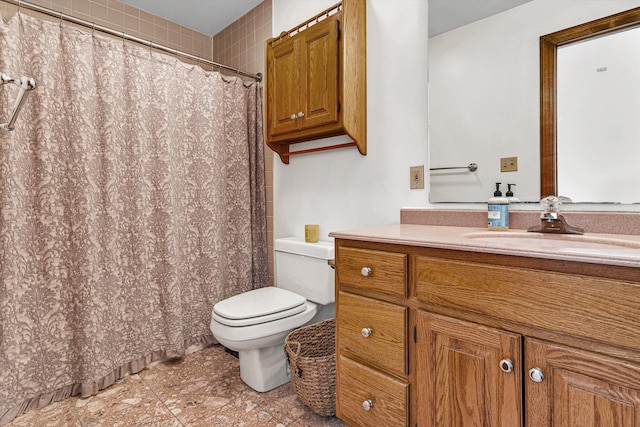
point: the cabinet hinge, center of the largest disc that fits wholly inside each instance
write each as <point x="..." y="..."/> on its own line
<point x="415" y="335"/>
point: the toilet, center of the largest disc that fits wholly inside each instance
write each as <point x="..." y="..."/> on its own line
<point x="256" y="323"/>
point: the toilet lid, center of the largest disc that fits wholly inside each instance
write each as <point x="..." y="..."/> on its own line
<point x="258" y="306"/>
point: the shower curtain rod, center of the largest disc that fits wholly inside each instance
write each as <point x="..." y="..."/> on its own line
<point x="121" y="34"/>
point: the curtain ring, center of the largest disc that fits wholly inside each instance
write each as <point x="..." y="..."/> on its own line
<point x="19" y="5"/>
<point x="93" y="29"/>
<point x="60" y="23"/>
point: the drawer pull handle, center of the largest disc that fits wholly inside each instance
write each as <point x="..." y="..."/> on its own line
<point x="293" y="117"/>
<point x="506" y="365"/>
<point x="366" y="271"/>
<point x="366" y="332"/>
<point x="536" y="375"/>
<point x="367" y="404"/>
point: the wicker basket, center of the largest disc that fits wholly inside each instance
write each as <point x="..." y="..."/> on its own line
<point x="311" y="353"/>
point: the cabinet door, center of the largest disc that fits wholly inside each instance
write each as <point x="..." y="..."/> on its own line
<point x="319" y="77"/>
<point x="460" y="378"/>
<point x="283" y="86"/>
<point x="580" y="389"/>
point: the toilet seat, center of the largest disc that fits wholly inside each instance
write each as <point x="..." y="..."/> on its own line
<point x="258" y="306"/>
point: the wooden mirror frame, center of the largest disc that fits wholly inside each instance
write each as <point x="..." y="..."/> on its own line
<point x="549" y="45"/>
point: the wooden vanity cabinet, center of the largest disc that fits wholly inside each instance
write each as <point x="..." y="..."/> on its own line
<point x="490" y="340"/>
<point x="371" y="338"/>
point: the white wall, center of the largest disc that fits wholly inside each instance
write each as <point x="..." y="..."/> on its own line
<point x="484" y="96"/>
<point x="341" y="189"/>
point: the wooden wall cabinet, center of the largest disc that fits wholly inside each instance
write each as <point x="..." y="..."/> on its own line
<point x="484" y="340"/>
<point x="316" y="80"/>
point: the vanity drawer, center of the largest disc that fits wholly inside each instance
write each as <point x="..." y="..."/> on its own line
<point x="388" y="396"/>
<point x="375" y="270"/>
<point x="386" y="345"/>
<point x="554" y="301"/>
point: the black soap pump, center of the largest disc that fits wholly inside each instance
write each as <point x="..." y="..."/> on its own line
<point x="509" y="194"/>
<point x="497" y="193"/>
<point x="498" y="211"/>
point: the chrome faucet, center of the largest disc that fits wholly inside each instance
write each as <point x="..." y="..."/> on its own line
<point x="550" y="219"/>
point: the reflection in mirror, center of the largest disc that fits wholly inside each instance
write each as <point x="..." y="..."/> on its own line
<point x="590" y="104"/>
<point x="484" y="98"/>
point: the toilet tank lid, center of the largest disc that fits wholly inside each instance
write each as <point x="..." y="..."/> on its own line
<point x="296" y="245"/>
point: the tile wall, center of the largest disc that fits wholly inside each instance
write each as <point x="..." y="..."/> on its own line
<point x="240" y="45"/>
<point x="129" y="19"/>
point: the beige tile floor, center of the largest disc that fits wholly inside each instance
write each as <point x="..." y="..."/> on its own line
<point x="202" y="389"/>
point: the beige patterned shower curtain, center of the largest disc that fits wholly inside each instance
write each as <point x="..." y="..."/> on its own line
<point x="131" y="200"/>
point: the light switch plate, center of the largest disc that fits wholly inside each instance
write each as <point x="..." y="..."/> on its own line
<point x="508" y="164"/>
<point x="416" y="177"/>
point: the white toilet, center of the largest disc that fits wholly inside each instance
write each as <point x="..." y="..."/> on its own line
<point x="256" y="323"/>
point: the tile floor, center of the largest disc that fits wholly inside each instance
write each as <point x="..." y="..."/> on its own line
<point x="202" y="389"/>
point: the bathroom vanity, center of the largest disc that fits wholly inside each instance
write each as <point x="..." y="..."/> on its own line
<point x="453" y="326"/>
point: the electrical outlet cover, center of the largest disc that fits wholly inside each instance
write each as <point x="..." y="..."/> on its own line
<point x="416" y="177"/>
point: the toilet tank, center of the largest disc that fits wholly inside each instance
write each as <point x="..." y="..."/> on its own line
<point x="302" y="268"/>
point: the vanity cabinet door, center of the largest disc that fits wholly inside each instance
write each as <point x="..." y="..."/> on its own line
<point x="467" y="374"/>
<point x="578" y="388"/>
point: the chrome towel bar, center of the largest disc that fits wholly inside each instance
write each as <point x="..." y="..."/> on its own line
<point x="472" y="167"/>
<point x="25" y="84"/>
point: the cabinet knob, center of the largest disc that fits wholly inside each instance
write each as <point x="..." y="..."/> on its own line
<point x="293" y="117"/>
<point x="366" y="271"/>
<point x="367" y="404"/>
<point x="536" y="375"/>
<point x="506" y="365"/>
<point x="300" y="114"/>
<point x="366" y="332"/>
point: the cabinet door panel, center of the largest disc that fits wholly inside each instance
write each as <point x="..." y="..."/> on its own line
<point x="580" y="389"/>
<point x="283" y="86"/>
<point x="459" y="379"/>
<point x="319" y="56"/>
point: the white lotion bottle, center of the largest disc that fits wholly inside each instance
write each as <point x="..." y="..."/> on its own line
<point x="498" y="211"/>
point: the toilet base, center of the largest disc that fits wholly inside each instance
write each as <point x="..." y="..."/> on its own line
<point x="264" y="369"/>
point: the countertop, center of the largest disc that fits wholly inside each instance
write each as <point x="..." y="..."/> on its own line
<point x="609" y="249"/>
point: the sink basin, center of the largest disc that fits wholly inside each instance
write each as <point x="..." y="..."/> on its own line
<point x="556" y="242"/>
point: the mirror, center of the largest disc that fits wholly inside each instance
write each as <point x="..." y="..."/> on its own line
<point x="484" y="99"/>
<point x="578" y="109"/>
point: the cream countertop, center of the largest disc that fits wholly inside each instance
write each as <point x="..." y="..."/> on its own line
<point x="610" y="249"/>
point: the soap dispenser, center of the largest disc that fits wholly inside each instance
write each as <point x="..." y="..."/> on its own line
<point x="498" y="211"/>
<point x="509" y="194"/>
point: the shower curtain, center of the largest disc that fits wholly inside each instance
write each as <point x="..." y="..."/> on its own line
<point x="131" y="200"/>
